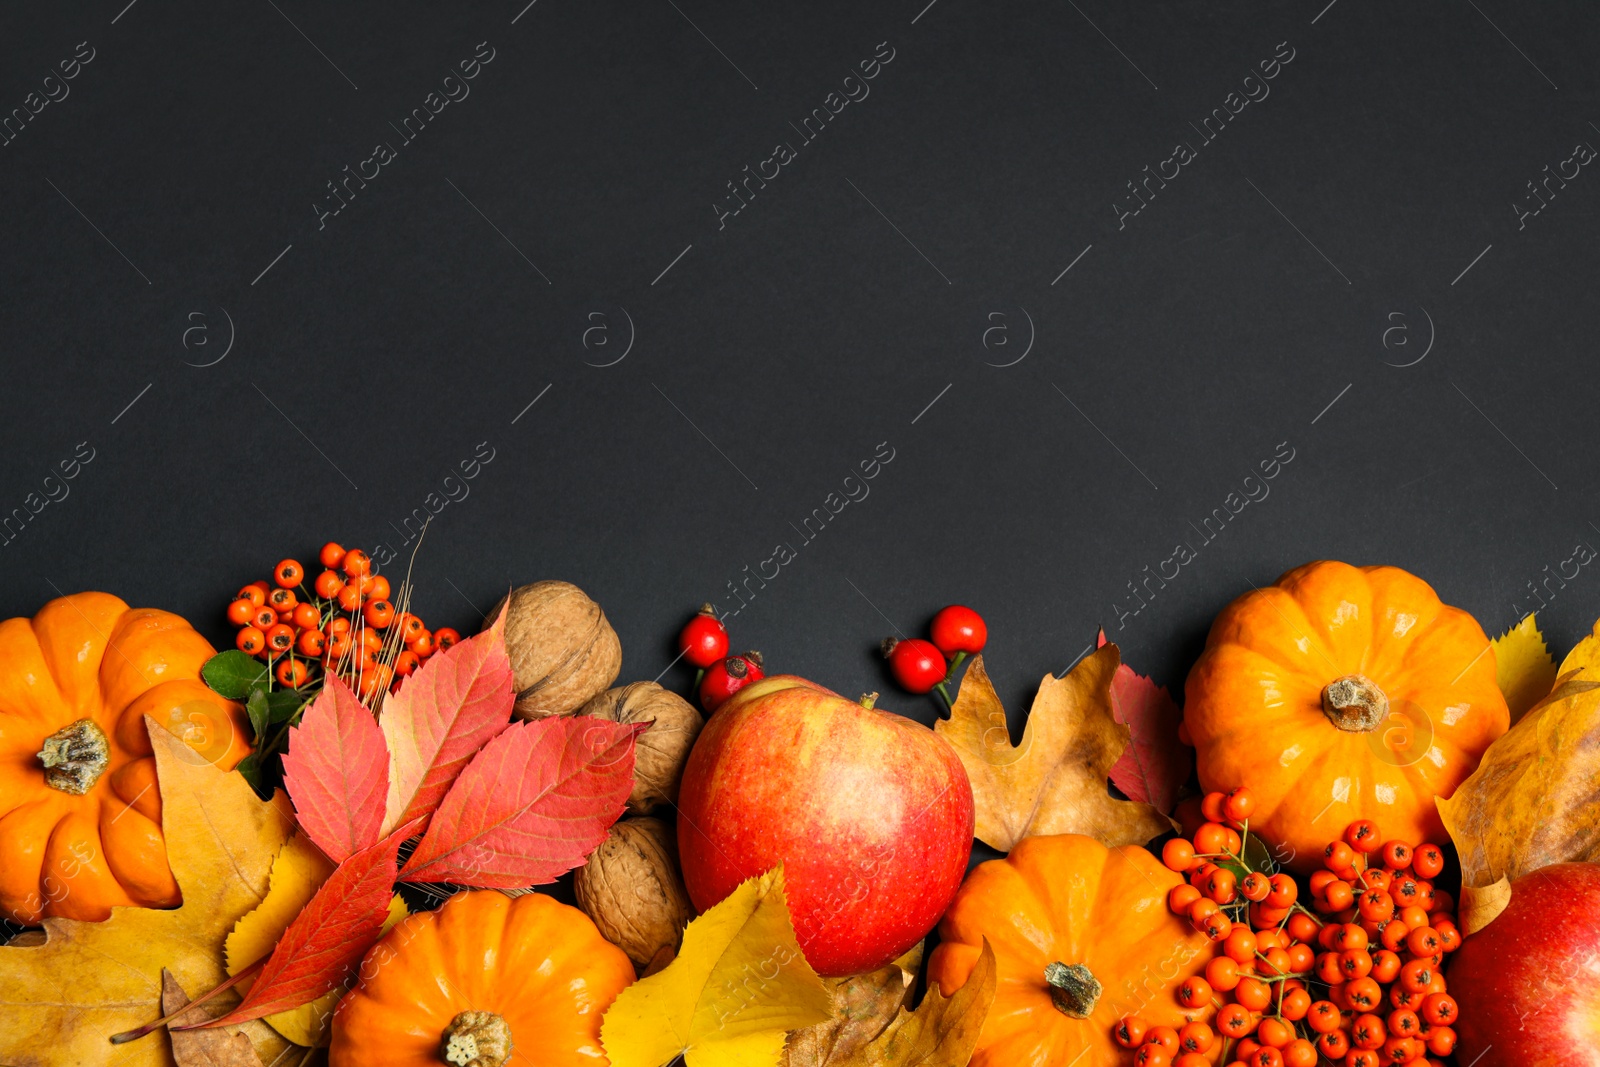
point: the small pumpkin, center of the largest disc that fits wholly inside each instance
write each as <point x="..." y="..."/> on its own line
<point x="482" y="980"/>
<point x="1343" y="693"/>
<point x="80" y="810"/>
<point x="1081" y="936"/>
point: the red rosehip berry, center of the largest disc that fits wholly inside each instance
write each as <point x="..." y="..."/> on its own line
<point x="724" y="679"/>
<point x="917" y="665"/>
<point x="958" y="629"/>
<point x="703" y="639"/>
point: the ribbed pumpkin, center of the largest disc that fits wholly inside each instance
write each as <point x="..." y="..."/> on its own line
<point x="484" y="980"/>
<point x="1081" y="936"/>
<point x="1343" y="693"/>
<point x="80" y="809"/>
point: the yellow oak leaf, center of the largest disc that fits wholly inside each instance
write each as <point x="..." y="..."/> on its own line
<point x="1054" y="782"/>
<point x="65" y="993"/>
<point x="1531" y="802"/>
<point x="737" y="985"/>
<point x="297" y="872"/>
<point x="943" y="1031"/>
<point x="863" y="1007"/>
<point x="1523" y="666"/>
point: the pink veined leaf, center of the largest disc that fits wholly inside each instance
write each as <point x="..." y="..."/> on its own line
<point x="532" y="806"/>
<point x="337" y="772"/>
<point x="1156" y="765"/>
<point x="441" y="717"/>
<point x="322" y="946"/>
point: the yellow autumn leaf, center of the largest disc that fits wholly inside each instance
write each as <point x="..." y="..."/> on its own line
<point x="1531" y="802"/>
<point x="1523" y="666"/>
<point x="297" y="872"/>
<point x="64" y="994"/>
<point x="737" y="985"/>
<point x="1054" y="782"/>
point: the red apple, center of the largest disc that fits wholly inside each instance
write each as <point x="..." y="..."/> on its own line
<point x="1528" y="984"/>
<point x="869" y="813"/>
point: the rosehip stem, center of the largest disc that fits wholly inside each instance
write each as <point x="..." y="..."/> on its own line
<point x="955" y="665"/>
<point x="699" y="676"/>
<point x="944" y="695"/>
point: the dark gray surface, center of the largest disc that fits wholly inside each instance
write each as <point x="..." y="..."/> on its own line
<point x="773" y="353"/>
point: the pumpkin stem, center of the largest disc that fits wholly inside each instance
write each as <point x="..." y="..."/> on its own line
<point x="1073" y="989"/>
<point x="1355" y="703"/>
<point x="476" y="1039"/>
<point x="75" y="757"/>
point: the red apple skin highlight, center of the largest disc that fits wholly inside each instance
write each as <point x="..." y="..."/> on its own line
<point x="1528" y="984"/>
<point x="870" y="814"/>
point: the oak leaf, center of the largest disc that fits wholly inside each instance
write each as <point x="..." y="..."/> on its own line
<point x="1156" y="765"/>
<point x="738" y="984"/>
<point x="320" y="948"/>
<point x="1531" y="802"/>
<point x="202" y="1048"/>
<point x="1054" y="782"/>
<point x="299" y="870"/>
<point x="863" y="1007"/>
<point x="337" y="772"/>
<point x="530" y="806"/>
<point x="943" y="1031"/>
<point x="62" y="999"/>
<point x="1523" y="666"/>
<point x="438" y="720"/>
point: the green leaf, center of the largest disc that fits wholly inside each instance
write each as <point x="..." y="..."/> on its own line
<point x="233" y="674"/>
<point x="284" y="703"/>
<point x="260" y="713"/>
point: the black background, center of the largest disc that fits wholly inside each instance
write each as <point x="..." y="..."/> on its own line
<point x="456" y="288"/>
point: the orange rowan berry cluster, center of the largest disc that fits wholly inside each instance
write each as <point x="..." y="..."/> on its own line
<point x="343" y="621"/>
<point x="1355" y="980"/>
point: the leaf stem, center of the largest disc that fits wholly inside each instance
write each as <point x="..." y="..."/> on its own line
<point x="150" y="1028"/>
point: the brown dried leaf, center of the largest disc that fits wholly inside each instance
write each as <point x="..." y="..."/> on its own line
<point x="1479" y="907"/>
<point x="1535" y="798"/>
<point x="202" y="1048"/>
<point x="942" y="1032"/>
<point x="1054" y="782"/>
<point x="863" y="1007"/>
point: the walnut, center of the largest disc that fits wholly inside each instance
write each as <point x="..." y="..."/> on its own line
<point x="660" y="751"/>
<point x="633" y="891"/>
<point x="563" y="650"/>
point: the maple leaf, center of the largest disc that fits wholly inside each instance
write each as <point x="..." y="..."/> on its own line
<point x="530" y="806"/>
<point x="943" y="1031"/>
<point x="69" y="990"/>
<point x="1054" y="782"/>
<point x="441" y="717"/>
<point x="863" y="1007"/>
<point x="1530" y="803"/>
<point x="1523" y="666"/>
<point x="202" y="1048"/>
<point x="298" y="871"/>
<point x="738" y="983"/>
<point x="1156" y="765"/>
<point x="323" y="944"/>
<point x="337" y="772"/>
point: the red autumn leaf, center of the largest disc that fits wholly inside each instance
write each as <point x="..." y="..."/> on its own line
<point x="1156" y="765"/>
<point x="327" y="939"/>
<point x="533" y="804"/>
<point x="337" y="772"/>
<point x="441" y="717"/>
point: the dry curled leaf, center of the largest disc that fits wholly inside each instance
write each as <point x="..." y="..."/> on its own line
<point x="1054" y="782"/>
<point x="942" y="1032"/>
<point x="737" y="985"/>
<point x="202" y="1048"/>
<point x="863" y="1007"/>
<point x="1478" y="908"/>
<point x="1523" y="666"/>
<point x="65" y="997"/>
<point x="1532" y="801"/>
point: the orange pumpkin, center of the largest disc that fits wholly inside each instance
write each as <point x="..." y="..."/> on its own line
<point x="1081" y="936"/>
<point x="484" y="979"/>
<point x="1343" y="693"/>
<point x="80" y="810"/>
